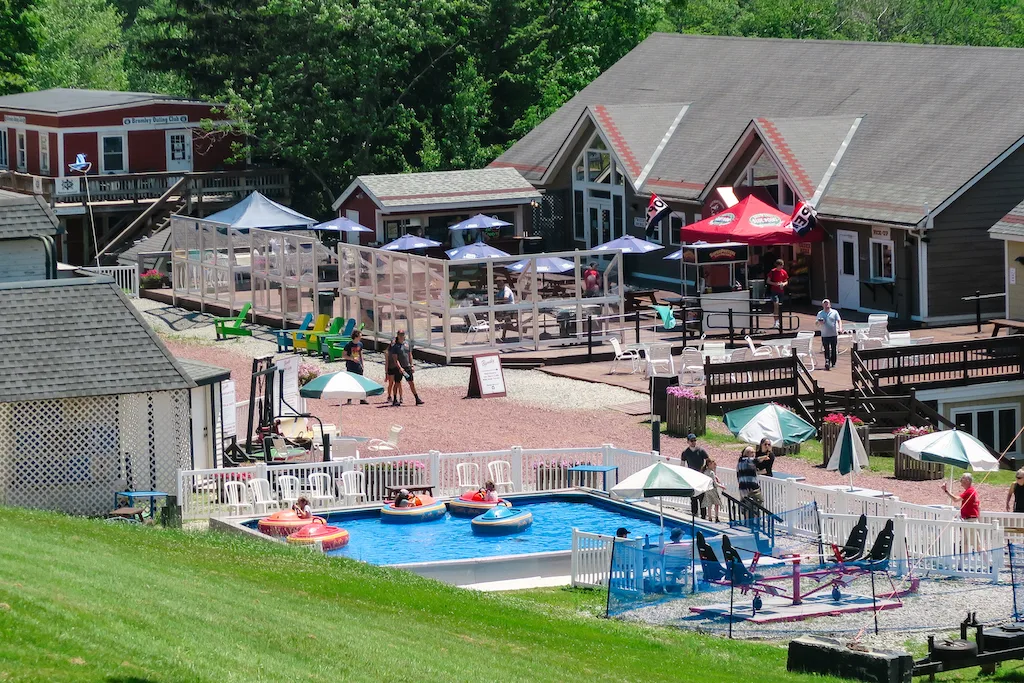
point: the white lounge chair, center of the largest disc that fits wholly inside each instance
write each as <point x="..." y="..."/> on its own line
<point x="262" y="499"/>
<point x="691" y="371"/>
<point x="659" y="361"/>
<point x="388" y="445"/>
<point x="320" y="493"/>
<point x="353" y="487"/>
<point x="238" y="501"/>
<point x="632" y="355"/>
<point x="288" y="489"/>
<point x="750" y="343"/>
<point x="342" y="449"/>
<point x="475" y="326"/>
<point x="501" y="475"/>
<point x="468" y="474"/>
<point x="802" y="348"/>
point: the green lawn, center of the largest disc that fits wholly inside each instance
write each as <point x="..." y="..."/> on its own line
<point x="85" y="600"/>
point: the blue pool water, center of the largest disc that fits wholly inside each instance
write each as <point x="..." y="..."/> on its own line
<point x="451" y="538"/>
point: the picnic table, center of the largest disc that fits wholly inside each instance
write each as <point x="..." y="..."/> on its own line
<point x="634" y="299"/>
<point x="603" y="469"/>
<point x="132" y="496"/>
<point x="411" y="488"/>
<point x="1011" y="326"/>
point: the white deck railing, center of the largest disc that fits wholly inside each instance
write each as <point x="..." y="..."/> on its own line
<point x="126" y="277"/>
<point x="592" y="561"/>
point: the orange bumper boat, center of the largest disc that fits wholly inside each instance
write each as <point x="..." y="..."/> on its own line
<point x="331" y="537"/>
<point x="470" y="504"/>
<point x="284" y="523"/>
<point x="423" y="509"/>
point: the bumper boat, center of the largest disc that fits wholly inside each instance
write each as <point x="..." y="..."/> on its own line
<point x="470" y="504"/>
<point x="331" y="537"/>
<point x="501" y="520"/>
<point x="424" y="509"/>
<point x="284" y="523"/>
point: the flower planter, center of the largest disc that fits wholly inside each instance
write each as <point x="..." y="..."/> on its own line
<point x="908" y="469"/>
<point x="830" y="434"/>
<point x="686" y="415"/>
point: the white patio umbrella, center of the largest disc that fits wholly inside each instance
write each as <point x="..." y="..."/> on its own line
<point x="951" y="447"/>
<point x="474" y="251"/>
<point x="629" y="245"/>
<point x="341" y="224"/>
<point x="410" y="242"/>
<point x="544" y="264"/>
<point x="342" y="386"/>
<point x="479" y="222"/>
<point x="849" y="454"/>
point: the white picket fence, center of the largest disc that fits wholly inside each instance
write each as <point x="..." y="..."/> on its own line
<point x="592" y="561"/>
<point x="945" y="547"/>
<point x="126" y="277"/>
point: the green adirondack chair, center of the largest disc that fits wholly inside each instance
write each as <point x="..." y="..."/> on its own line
<point x="333" y="348"/>
<point x="313" y="340"/>
<point x="232" y="327"/>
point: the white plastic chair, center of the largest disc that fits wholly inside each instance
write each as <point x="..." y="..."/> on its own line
<point x="320" y="494"/>
<point x="342" y="449"/>
<point x="469" y="476"/>
<point x="262" y="500"/>
<point x="475" y="326"/>
<point x="878" y="318"/>
<point x="353" y="487"/>
<point x="802" y="348"/>
<point x="878" y="330"/>
<point x="714" y="349"/>
<point x="501" y="475"/>
<point x="660" y="356"/>
<point x="691" y="372"/>
<point x="632" y="355"/>
<point x="899" y="339"/>
<point x="238" y="501"/>
<point x="391" y="444"/>
<point x="288" y="489"/>
<point x="750" y="343"/>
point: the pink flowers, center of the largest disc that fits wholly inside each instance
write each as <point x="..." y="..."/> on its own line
<point x="839" y="418"/>
<point x="912" y="430"/>
<point x="682" y="392"/>
<point x="307" y="373"/>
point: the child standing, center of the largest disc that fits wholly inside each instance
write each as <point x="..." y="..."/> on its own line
<point x="711" y="501"/>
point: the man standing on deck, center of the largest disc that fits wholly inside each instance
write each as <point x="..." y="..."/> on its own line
<point x="695" y="458"/>
<point x="831" y="327"/>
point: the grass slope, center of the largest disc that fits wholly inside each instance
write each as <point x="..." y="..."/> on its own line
<point x="87" y="600"/>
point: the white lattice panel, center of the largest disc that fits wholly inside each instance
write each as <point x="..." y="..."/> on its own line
<point x="74" y="454"/>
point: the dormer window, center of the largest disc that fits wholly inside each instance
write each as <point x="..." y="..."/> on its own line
<point x="762" y="172"/>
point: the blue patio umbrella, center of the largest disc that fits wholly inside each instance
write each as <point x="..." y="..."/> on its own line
<point x="674" y="256"/>
<point x="544" y="264"/>
<point x="474" y="251"/>
<point x="410" y="242"/>
<point x="341" y="224"/>
<point x="479" y="222"/>
<point x="629" y="245"/>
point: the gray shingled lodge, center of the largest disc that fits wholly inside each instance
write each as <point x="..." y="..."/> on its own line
<point x="91" y="401"/>
<point x="909" y="152"/>
<point x="27" y="230"/>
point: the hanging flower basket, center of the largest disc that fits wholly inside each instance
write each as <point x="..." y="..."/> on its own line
<point x="686" y="412"/>
<point x="908" y="469"/>
<point x="830" y="428"/>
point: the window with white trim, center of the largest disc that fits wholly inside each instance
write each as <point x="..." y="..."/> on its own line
<point x="22" y="151"/>
<point x="676" y="221"/>
<point x="112" y="154"/>
<point x="996" y="426"/>
<point x="883" y="266"/>
<point x="44" y="153"/>
<point x="4" y="159"/>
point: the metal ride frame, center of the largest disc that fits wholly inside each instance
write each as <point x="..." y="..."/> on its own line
<point x="389" y="290"/>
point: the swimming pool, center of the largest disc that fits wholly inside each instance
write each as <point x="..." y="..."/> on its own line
<point x="451" y="538"/>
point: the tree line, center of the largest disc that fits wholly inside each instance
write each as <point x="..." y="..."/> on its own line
<point x="333" y="88"/>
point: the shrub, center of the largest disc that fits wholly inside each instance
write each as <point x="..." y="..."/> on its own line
<point x="307" y="373"/>
<point x="913" y="430"/>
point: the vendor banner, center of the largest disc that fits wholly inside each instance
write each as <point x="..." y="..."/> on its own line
<point x="656" y="210"/>
<point x="803" y="218"/>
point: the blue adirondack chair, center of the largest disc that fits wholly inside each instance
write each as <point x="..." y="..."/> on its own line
<point x="285" y="340"/>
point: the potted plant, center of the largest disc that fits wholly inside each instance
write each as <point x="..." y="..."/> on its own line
<point x="307" y="373"/>
<point x="686" y="411"/>
<point x="905" y="467"/>
<point x="151" y="279"/>
<point x="832" y="424"/>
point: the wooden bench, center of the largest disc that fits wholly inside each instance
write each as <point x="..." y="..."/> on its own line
<point x="1012" y="326"/>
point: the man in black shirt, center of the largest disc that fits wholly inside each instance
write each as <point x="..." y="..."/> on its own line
<point x="403" y="365"/>
<point x="353" y="355"/>
<point x="696" y="458"/>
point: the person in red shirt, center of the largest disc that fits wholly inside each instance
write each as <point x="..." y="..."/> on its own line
<point x="970" y="504"/>
<point x="778" y="278"/>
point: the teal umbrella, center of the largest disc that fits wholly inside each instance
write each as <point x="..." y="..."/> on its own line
<point x="849" y="454"/>
<point x="769" y="421"/>
<point x="340" y="385"/>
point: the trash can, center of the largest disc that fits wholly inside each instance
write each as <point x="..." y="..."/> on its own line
<point x="659" y="390"/>
<point x="566" y="323"/>
<point x="325" y="303"/>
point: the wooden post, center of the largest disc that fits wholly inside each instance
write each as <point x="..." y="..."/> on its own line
<point x="590" y="338"/>
<point x="636" y="319"/>
<point x="732" y="332"/>
<point x="977" y="309"/>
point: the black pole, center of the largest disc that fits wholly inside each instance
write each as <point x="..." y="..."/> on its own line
<point x="732" y="332"/>
<point x="732" y="591"/>
<point x="977" y="308"/>
<point x="655" y="432"/>
<point x="636" y="319"/>
<point x="693" y="543"/>
<point x="590" y="338"/>
<point x="685" y="330"/>
<point x="874" y="606"/>
<point x="1013" y="581"/>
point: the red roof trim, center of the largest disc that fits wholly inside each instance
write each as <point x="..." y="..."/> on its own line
<point x="787" y="157"/>
<point x="618" y="142"/>
<point x="464" y="193"/>
<point x="1013" y="219"/>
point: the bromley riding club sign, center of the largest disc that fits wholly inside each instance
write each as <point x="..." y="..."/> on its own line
<point x="155" y="120"/>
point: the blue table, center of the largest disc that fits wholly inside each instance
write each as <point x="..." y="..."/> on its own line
<point x="132" y="496"/>
<point x="783" y="475"/>
<point x="603" y="469"/>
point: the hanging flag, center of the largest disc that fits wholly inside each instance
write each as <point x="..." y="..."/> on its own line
<point x="656" y="210"/>
<point x="803" y="218"/>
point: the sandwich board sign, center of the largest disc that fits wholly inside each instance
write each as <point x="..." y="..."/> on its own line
<point x="486" y="376"/>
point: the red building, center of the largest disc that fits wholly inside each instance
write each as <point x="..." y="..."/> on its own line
<point x="150" y="156"/>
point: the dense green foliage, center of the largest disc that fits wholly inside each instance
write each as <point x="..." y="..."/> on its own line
<point x="88" y="600"/>
<point x="333" y="88"/>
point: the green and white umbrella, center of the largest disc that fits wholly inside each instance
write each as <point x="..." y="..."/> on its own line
<point x="768" y="421"/>
<point x="341" y="386"/>
<point x="849" y="454"/>
<point x="951" y="447"/>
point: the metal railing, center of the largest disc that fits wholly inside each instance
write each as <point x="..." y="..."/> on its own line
<point x="977" y="299"/>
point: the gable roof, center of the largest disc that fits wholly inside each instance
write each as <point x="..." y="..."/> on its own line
<point x="1010" y="225"/>
<point x="59" y="101"/>
<point x="97" y="344"/>
<point x="25" y="215"/>
<point x="476" y="187"/>
<point x="203" y="374"/>
<point x="637" y="133"/>
<point x="933" y="116"/>
<point x="806" y="146"/>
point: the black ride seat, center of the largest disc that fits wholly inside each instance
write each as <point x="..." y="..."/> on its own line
<point x="713" y="569"/>
<point x="741" y="576"/>
<point x="854" y="548"/>
<point x="881" y="550"/>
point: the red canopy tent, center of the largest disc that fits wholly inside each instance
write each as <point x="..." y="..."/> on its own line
<point x="750" y="221"/>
